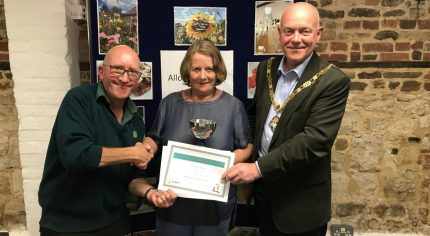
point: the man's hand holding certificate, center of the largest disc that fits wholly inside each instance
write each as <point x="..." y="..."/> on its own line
<point x="194" y="171"/>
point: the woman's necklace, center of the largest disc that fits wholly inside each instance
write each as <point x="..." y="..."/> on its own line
<point x="279" y="107"/>
<point x="212" y="97"/>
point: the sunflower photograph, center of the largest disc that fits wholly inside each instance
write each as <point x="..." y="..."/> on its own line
<point x="195" y="23"/>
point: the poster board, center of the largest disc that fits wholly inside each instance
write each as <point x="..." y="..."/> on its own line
<point x="149" y="27"/>
<point x="153" y="30"/>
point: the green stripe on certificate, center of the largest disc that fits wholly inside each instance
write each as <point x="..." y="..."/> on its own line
<point x="198" y="159"/>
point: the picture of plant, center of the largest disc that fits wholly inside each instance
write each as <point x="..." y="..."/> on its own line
<point x="195" y="23"/>
<point x="117" y="24"/>
<point x="252" y="78"/>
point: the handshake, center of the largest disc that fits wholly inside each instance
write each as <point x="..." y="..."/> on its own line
<point x="145" y="152"/>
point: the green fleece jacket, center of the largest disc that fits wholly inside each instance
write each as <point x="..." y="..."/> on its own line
<point x="75" y="194"/>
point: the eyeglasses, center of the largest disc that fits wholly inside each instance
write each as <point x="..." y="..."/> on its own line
<point x="117" y="71"/>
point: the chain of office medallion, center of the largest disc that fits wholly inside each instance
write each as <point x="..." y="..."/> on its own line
<point x="278" y="108"/>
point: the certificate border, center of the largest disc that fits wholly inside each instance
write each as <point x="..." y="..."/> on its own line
<point x="193" y="150"/>
<point x="172" y="152"/>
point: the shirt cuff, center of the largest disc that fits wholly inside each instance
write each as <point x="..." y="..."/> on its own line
<point x="156" y="139"/>
<point x="258" y="168"/>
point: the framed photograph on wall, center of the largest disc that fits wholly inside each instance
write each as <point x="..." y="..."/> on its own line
<point x="267" y="18"/>
<point x="141" y="110"/>
<point x="98" y="64"/>
<point x="143" y="90"/>
<point x="117" y="23"/>
<point x="252" y="77"/>
<point x="194" y="23"/>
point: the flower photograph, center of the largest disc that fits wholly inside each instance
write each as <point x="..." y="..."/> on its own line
<point x="195" y="23"/>
<point x="252" y="76"/>
<point x="117" y="24"/>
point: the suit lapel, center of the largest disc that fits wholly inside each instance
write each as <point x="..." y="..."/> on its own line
<point x="314" y="66"/>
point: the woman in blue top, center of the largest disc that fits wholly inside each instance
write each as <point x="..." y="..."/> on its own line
<point x="202" y="69"/>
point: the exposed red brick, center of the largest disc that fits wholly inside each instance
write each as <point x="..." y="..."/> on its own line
<point x="407" y="24"/>
<point x="337" y="46"/>
<point x="324" y="56"/>
<point x="424" y="197"/>
<point x="372" y="25"/>
<point x="417" y="45"/>
<point x="425" y="183"/>
<point x="427" y="86"/>
<point x="4" y="46"/>
<point x="427" y="46"/>
<point x="330" y="25"/>
<point x="360" y="86"/>
<point x="369" y="75"/>
<point x="417" y="55"/>
<point x="403" y="46"/>
<point x="423" y="215"/>
<point x="355" y="47"/>
<point x="372" y="2"/>
<point x="328" y="35"/>
<point x="393" y="85"/>
<point x="377" y="47"/>
<point x="4" y="56"/>
<point x="426" y="56"/>
<point x="395" y="56"/>
<point x="355" y="56"/>
<point x="370" y="57"/>
<point x="402" y="75"/>
<point x="426" y="160"/>
<point x="352" y="24"/>
<point x="423" y="24"/>
<point x="338" y="57"/>
<point x="321" y="47"/>
<point x="412" y="86"/>
<point x="378" y="84"/>
<point x="390" y="23"/>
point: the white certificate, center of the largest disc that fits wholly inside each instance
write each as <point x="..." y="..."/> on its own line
<point x="194" y="171"/>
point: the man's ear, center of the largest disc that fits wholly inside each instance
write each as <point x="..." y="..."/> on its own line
<point x="100" y="72"/>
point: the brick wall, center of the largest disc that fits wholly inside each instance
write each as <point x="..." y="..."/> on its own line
<point x="380" y="164"/>
<point x="42" y="46"/>
<point x="375" y="30"/>
<point x="12" y="213"/>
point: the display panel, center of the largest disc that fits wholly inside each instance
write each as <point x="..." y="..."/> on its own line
<point x="151" y="25"/>
<point x="150" y="28"/>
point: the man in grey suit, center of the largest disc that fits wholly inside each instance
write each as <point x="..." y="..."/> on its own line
<point x="296" y="113"/>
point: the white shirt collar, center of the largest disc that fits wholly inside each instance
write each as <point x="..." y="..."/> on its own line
<point x="298" y="69"/>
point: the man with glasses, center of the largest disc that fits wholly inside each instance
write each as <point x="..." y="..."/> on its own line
<point x="96" y="154"/>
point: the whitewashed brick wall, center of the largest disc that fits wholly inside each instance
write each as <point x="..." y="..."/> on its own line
<point x="44" y="63"/>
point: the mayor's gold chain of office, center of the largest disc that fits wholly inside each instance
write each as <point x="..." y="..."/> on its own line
<point x="278" y="107"/>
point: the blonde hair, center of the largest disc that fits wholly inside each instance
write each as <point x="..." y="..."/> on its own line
<point x="207" y="48"/>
